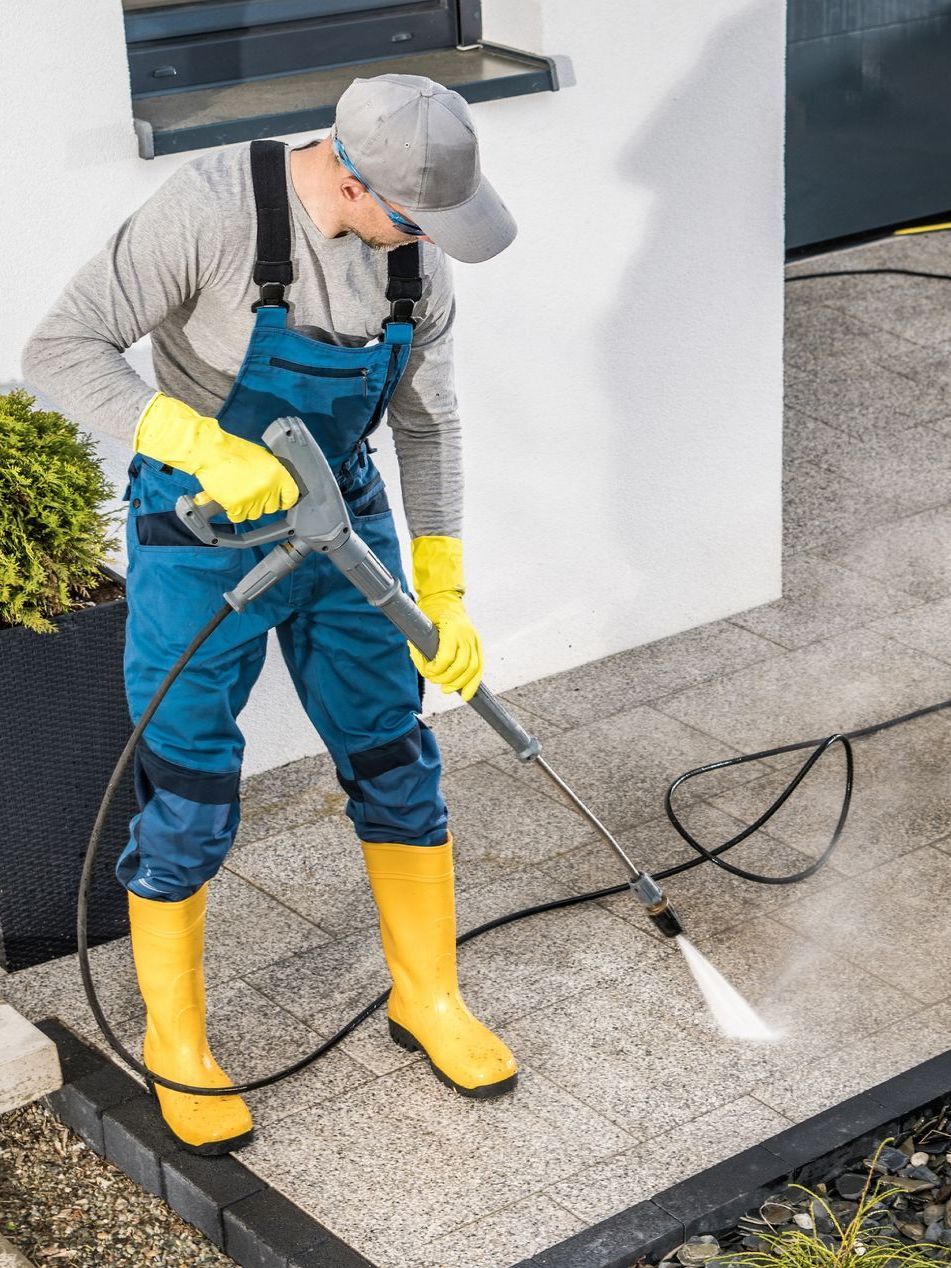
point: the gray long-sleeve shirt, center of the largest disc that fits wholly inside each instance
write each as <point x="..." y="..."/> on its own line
<point x="181" y="268"/>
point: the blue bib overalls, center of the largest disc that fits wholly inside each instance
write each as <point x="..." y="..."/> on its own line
<point x="350" y="666"/>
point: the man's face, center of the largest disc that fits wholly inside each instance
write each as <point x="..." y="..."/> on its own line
<point x="373" y="226"/>
<point x="367" y="219"/>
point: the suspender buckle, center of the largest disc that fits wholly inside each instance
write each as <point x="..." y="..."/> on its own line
<point x="402" y="310"/>
<point x="272" y="295"/>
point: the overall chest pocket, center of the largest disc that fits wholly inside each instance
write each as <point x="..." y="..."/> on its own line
<point x="326" y="372"/>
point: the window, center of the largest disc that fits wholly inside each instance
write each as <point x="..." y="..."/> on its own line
<point x="208" y="72"/>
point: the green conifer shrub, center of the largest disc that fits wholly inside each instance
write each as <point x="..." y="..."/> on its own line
<point x="53" y="536"/>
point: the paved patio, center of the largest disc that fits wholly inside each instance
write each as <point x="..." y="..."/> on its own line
<point x="626" y="1087"/>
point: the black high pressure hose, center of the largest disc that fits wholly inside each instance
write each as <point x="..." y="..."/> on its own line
<point x="704" y="855"/>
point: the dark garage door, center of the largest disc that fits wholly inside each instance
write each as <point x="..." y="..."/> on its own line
<point x="868" y="115"/>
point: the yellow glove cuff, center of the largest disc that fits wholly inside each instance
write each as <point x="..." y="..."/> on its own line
<point x="171" y="431"/>
<point x="138" y="426"/>
<point x="437" y="565"/>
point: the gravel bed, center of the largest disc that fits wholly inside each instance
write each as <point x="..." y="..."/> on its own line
<point x="912" y="1175"/>
<point x="61" y="1203"/>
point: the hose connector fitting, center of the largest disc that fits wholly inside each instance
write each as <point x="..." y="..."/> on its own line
<point x="657" y="905"/>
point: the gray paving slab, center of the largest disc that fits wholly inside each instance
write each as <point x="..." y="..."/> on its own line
<point x="595" y="1193"/>
<point x="240" y="913"/>
<point x="617" y="683"/>
<point x="241" y="923"/>
<point x="915" y="308"/>
<point x="307" y="809"/>
<point x="707" y="898"/>
<point x="821" y="599"/>
<point x="819" y="338"/>
<point x="10" y="1257"/>
<point x="837" y="684"/>
<point x="329" y="995"/>
<point x="805" y="436"/>
<point x="393" y="1164"/>
<point x="879" y="398"/>
<point x="514" y="970"/>
<point x="298" y="792"/>
<point x="316" y="870"/>
<point x="833" y="347"/>
<point x="843" y="292"/>
<point x="501" y="823"/>
<point x="930" y="251"/>
<point x="801" y="1092"/>
<point x="911" y="554"/>
<point x="929" y="369"/>
<point x="273" y="787"/>
<point x="503" y="974"/>
<point x="899" y="801"/>
<point x="942" y="424"/>
<point x="641" y="1050"/>
<point x="29" y="1064"/>
<point x="925" y="627"/>
<point x="912" y="466"/>
<point x="863" y="917"/>
<point x="505" y="1237"/>
<point x="325" y="986"/>
<point x="822" y="510"/>
<point x="621" y="767"/>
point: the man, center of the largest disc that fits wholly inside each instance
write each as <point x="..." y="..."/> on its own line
<point x="261" y="273"/>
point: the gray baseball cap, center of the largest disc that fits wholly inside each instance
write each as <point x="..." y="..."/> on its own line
<point x="415" y="144"/>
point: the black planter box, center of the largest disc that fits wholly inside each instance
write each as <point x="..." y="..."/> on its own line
<point x="63" y="723"/>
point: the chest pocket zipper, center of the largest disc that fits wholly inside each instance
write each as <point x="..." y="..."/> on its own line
<point x="324" y="372"/>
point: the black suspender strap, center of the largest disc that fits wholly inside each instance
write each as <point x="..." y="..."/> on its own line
<point x="273" y="270"/>
<point x="404" y="287"/>
<point x="272" y="265"/>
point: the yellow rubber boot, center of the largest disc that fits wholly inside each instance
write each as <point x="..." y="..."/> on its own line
<point x="167" y="946"/>
<point x="413" y="889"/>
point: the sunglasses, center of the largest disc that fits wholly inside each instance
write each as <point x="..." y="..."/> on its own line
<point x="400" y="222"/>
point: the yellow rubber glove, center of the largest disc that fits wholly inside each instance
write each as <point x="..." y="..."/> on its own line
<point x="245" y="479"/>
<point x="439" y="586"/>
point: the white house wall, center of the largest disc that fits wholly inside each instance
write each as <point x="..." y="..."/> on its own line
<point x="618" y="367"/>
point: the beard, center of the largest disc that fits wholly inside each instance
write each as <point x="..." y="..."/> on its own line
<point x="374" y="243"/>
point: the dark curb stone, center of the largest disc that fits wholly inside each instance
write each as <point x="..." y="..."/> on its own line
<point x="608" y="1244"/>
<point x="76" y="1058"/>
<point x="915" y="1089"/>
<point x="80" y="1105"/>
<point x="91" y="1084"/>
<point x="266" y="1230"/>
<point x="818" y="1142"/>
<point x="199" y="1188"/>
<point x="330" y="1252"/>
<point x="723" y="1192"/>
<point x="137" y="1140"/>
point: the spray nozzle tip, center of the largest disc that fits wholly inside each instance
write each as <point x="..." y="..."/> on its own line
<point x="657" y="906"/>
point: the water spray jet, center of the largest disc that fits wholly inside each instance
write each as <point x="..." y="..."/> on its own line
<point x="736" y="1018"/>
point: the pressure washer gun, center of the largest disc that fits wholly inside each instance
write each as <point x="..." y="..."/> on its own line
<point x="318" y="523"/>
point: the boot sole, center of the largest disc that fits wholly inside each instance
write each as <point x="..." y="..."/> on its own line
<point x="485" y="1092"/>
<point x="213" y="1148"/>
